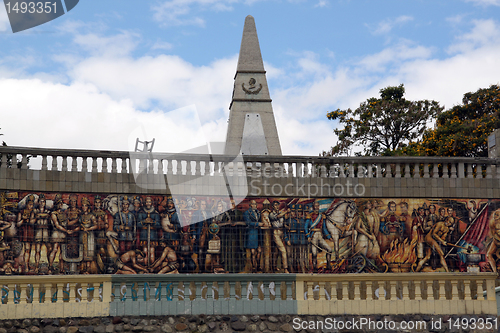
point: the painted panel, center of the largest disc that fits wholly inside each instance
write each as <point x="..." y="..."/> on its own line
<point x="70" y="233"/>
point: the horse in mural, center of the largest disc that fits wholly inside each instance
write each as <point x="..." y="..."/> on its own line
<point x="340" y="223"/>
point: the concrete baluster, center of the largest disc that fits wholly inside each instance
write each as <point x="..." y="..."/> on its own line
<point x="461" y="170"/>
<point x="407" y="170"/>
<point x="4" y="161"/>
<point x="369" y="291"/>
<point x="393" y="291"/>
<point x="323" y="171"/>
<point x="379" y="170"/>
<point x="453" y="170"/>
<point x="442" y="292"/>
<point x="369" y="168"/>
<point x="113" y="165"/>
<point x="445" y="170"/>
<point x="23" y="298"/>
<point x="178" y="170"/>
<point x="64" y="163"/>
<point x="480" y="290"/>
<point x="357" y="290"/>
<point x="454" y="290"/>
<point x="309" y="290"/>
<point x="470" y="173"/>
<point x="169" y="167"/>
<point x="406" y="290"/>
<point x="197" y="168"/>
<point x="361" y="171"/>
<point x="416" y="170"/>
<point x="418" y="290"/>
<point x="426" y="170"/>
<point x="24" y="161"/>
<point x="489" y="174"/>
<point x="435" y="171"/>
<point x="345" y="290"/>
<point x="398" y="170"/>
<point x="104" y="166"/>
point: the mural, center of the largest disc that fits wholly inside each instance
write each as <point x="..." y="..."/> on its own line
<point x="69" y="233"/>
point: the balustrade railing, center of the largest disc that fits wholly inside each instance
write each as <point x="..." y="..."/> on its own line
<point x="253" y="166"/>
<point x="118" y="295"/>
<point x="54" y="296"/>
<point x="439" y="293"/>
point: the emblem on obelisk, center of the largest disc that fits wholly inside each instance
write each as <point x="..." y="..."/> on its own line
<point x="252" y="89"/>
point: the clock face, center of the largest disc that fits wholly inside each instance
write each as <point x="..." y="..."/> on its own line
<point x="214" y="228"/>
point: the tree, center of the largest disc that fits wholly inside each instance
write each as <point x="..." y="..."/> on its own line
<point x="463" y="130"/>
<point x="382" y="125"/>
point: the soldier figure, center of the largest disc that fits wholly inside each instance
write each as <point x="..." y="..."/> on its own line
<point x="88" y="226"/>
<point x="124" y="226"/>
<point x="434" y="239"/>
<point x="171" y="225"/>
<point x="148" y="225"/>
<point x="100" y="233"/>
<point x="276" y="217"/>
<point x="60" y="223"/>
<point x="315" y="227"/>
<point x="203" y="219"/>
<point x="26" y="223"/>
<point x="297" y="237"/>
<point x="253" y="237"/>
<point x="42" y="232"/>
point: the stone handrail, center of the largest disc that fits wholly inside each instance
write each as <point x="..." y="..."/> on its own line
<point x="254" y="166"/>
<point x="439" y="293"/>
<point x="119" y="295"/>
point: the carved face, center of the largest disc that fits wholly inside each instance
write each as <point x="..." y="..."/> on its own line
<point x="149" y="203"/>
<point x="253" y="204"/>
<point x="203" y="205"/>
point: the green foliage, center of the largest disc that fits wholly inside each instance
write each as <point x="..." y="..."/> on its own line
<point x="382" y="125"/>
<point x="463" y="130"/>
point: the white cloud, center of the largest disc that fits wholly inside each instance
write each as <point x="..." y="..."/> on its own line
<point x="117" y="45"/>
<point x="399" y="53"/>
<point x="179" y="12"/>
<point x="159" y="45"/>
<point x="386" y="26"/>
<point x="168" y="80"/>
<point x="485" y="2"/>
<point x="321" y="3"/>
<point x="4" y="20"/>
<point x="485" y="33"/>
<point x="98" y="101"/>
<point x="80" y="116"/>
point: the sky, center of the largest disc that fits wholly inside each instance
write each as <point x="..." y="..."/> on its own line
<point x="111" y="71"/>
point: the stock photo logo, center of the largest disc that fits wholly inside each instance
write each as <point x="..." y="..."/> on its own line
<point x="215" y="173"/>
<point x="26" y="14"/>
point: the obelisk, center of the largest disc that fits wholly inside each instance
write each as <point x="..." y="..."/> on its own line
<point x="252" y="128"/>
